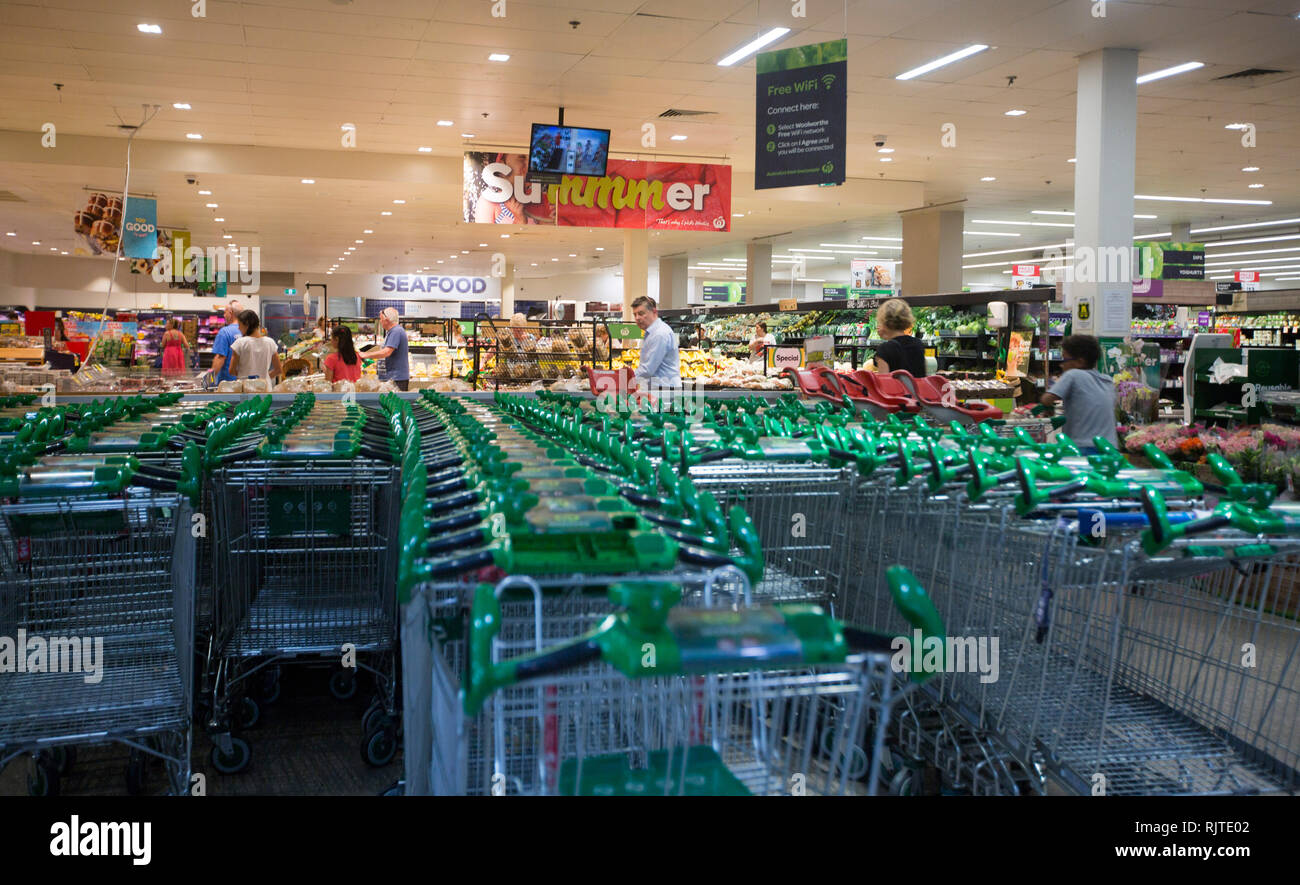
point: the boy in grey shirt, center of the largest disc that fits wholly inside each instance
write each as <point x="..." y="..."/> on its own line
<point x="1089" y="396"/>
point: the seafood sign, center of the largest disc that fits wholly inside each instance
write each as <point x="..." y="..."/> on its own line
<point x="632" y="194"/>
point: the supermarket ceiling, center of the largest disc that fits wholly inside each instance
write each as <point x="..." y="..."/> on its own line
<point x="269" y="83"/>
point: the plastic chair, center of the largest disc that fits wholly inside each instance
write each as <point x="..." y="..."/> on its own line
<point x="938" y="397"/>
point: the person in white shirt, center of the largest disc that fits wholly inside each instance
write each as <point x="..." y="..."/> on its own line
<point x="253" y="355"/>
<point x="660" y="364"/>
<point x="758" y="346"/>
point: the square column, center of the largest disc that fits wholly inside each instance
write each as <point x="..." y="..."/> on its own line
<point x="932" y="244"/>
<point x="636" y="267"/>
<point x="672" y="282"/>
<point x="758" y="273"/>
<point x="1106" y="150"/>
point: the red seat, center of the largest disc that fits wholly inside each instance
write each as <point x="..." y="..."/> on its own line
<point x="887" y="390"/>
<point x="617" y="381"/>
<point x="817" y="381"/>
<point x="858" y="392"/>
<point x="939" y="398"/>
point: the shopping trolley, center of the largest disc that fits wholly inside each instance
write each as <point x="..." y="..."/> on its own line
<point x="101" y="572"/>
<point x="665" y="700"/>
<point x="308" y="536"/>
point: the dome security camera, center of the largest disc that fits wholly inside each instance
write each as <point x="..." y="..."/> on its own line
<point x="880" y="140"/>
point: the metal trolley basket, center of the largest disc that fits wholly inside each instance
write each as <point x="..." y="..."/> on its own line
<point x="308" y="572"/>
<point x="764" y="700"/>
<point x="104" y="578"/>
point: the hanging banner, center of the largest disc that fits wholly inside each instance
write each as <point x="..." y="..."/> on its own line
<point x="163" y="245"/>
<point x="99" y="223"/>
<point x="871" y="277"/>
<point x="632" y="194"/>
<point x="800" y="115"/>
<point x="1170" y="261"/>
<point x="140" y="227"/>
<point x="728" y="293"/>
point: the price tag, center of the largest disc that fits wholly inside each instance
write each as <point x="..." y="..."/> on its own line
<point x="789" y="304"/>
<point x="698" y="309"/>
<point x="864" y="303"/>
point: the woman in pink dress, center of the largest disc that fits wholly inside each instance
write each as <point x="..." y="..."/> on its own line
<point x="175" y="345"/>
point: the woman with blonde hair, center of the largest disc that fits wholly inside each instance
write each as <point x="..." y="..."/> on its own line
<point x="894" y="323"/>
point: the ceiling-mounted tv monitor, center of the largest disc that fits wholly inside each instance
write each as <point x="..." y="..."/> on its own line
<point x="554" y="151"/>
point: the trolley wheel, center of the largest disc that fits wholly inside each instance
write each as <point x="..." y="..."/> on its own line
<point x="249" y="713"/>
<point x="903" y="782"/>
<point x="343" y="684"/>
<point x="379" y="746"/>
<point x="268" y="686"/>
<point x="44" y="778"/>
<point x="137" y="772"/>
<point x="374" y="717"/>
<point x="236" y="761"/>
<point x="64" y="758"/>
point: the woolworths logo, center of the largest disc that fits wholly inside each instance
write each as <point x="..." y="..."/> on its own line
<point x="58" y="654"/>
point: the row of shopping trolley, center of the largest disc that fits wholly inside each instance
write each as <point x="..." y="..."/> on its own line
<point x="177" y="553"/>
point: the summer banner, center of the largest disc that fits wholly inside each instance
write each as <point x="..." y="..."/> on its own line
<point x="632" y="194"/>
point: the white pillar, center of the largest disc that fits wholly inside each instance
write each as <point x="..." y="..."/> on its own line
<point x="1106" y="151"/>
<point x="508" y="290"/>
<point x="1180" y="232"/>
<point x="932" y="245"/>
<point x="636" y="267"/>
<point x="672" y="282"/>
<point x="758" y="273"/>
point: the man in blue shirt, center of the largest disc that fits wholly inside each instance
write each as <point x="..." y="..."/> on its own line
<point x="221" y="347"/>
<point x="394" y="353"/>
<point x="660" y="364"/>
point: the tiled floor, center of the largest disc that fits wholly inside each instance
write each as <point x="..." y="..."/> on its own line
<point x="307" y="744"/>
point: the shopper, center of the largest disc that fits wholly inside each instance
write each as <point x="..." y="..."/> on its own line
<point x="601" y="345"/>
<point x="221" y="347"/>
<point x="1089" y="396"/>
<point x="253" y="354"/>
<point x="342" y="363"/>
<point x="660" y="362"/>
<point x="894" y="323"/>
<point x="175" y="354"/>
<point x="758" y="346"/>
<point x="394" y="351"/>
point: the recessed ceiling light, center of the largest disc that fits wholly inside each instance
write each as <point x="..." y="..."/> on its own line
<point x="678" y="138"/>
<point x="555" y="259"/>
<point x="886" y="159"/>
<point x="329" y="273"/>
<point x="425" y="150"/>
<point x="348" y="127"/>
<point x="884" y="150"/>
<point x="445" y="123"/>
<point x="464" y="251"/>
<point x="350" y="249"/>
<point x="1237" y="126"/>
<point x="498" y="56"/>
<point x="36" y="242"/>
<point x="534" y="264"/>
<point x="467" y="135"/>
<point x="211" y="205"/>
<point x="218" y="219"/>
<point x="482" y="245"/>
<point x="1249" y="168"/>
<point x="227" y="237"/>
<point x="1169" y="72"/>
<point x="988" y="178"/>
<point x="505" y="236"/>
<point x="440" y="261"/>
<point x="1072" y="160"/>
<point x="881" y="239"/>
<point x="1203" y="200"/>
<point x="309" y="181"/>
<point x="1255" y="185"/>
<point x="149" y="29"/>
<point x="753" y="46"/>
<point x="367" y="231"/>
<point x="63" y="253"/>
<point x="385" y="212"/>
<point x="358" y="241"/>
<point x="205" y="193"/>
<point x="940" y="62"/>
<point x="1015" y="112"/>
<point x="989" y="233"/>
<point x="194" y="136"/>
<point x="1280" y="221"/>
<point x="399" y="202"/>
<point x="54" y="248"/>
<point x="573" y="254"/>
<point x="181" y="105"/>
<point x="11" y="234"/>
<point x="600" y="248"/>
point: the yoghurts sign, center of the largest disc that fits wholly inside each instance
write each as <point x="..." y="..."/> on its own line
<point x="433" y="285"/>
<point x="631" y="194"/>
